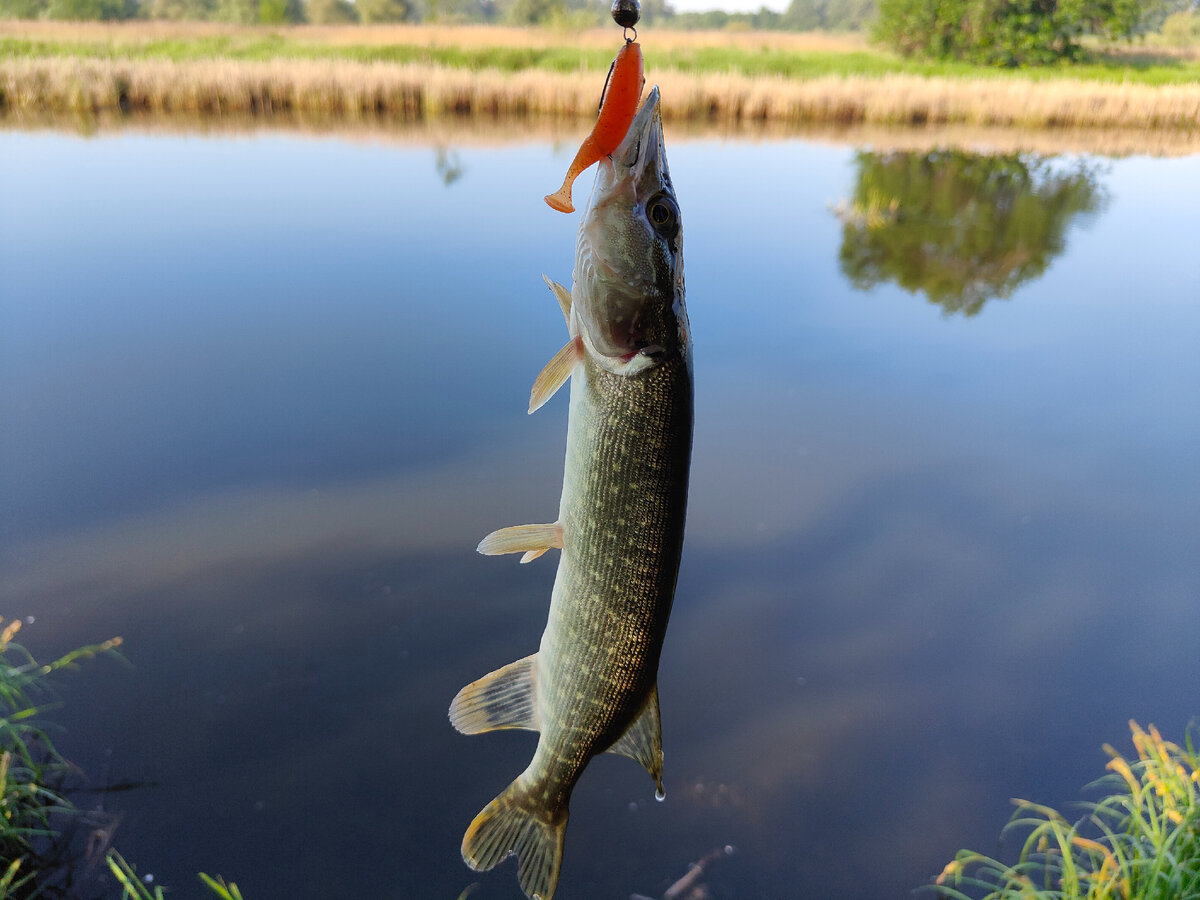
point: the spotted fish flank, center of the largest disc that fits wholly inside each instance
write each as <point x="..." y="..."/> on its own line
<point x="592" y="685"/>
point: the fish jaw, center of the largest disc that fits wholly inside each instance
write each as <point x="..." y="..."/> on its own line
<point x="628" y="294"/>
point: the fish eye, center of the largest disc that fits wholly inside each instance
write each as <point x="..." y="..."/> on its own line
<point x="663" y="215"/>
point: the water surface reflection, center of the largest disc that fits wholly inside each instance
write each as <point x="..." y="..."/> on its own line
<point x="263" y="395"/>
<point x="961" y="227"/>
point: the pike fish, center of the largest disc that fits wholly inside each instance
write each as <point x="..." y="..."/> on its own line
<point x="592" y="686"/>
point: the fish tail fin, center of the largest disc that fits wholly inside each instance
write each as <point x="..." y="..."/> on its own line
<point x="517" y="822"/>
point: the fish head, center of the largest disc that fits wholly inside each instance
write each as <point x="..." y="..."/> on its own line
<point x="628" y="296"/>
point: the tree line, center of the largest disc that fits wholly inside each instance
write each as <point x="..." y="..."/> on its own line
<point x="1016" y="32"/>
<point x="989" y="32"/>
<point x="802" y="15"/>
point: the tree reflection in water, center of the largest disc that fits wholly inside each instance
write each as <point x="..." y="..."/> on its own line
<point x="961" y="227"/>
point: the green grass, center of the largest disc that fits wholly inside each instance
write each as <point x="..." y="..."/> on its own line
<point x="1100" y="66"/>
<point x="32" y="771"/>
<point x="133" y="888"/>
<point x="1140" y="842"/>
<point x="36" y="848"/>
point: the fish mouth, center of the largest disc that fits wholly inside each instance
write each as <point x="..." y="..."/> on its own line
<point x="625" y="263"/>
<point x="642" y="148"/>
<point x="640" y="156"/>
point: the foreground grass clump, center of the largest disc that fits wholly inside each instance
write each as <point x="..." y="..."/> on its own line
<point x="133" y="888"/>
<point x="40" y="857"/>
<point x="1141" y="842"/>
<point x="32" y="772"/>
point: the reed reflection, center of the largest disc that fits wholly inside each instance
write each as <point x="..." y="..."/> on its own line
<point x="960" y="227"/>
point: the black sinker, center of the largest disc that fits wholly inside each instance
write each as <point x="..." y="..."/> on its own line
<point x="626" y="12"/>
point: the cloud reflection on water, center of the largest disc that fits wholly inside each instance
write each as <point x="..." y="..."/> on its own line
<point x="843" y="674"/>
<point x="926" y="567"/>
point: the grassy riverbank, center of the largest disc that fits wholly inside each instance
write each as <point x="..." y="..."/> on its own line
<point x="414" y="73"/>
<point x="1141" y="841"/>
<point x="48" y="846"/>
<point x="511" y="50"/>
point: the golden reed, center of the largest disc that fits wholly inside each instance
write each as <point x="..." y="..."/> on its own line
<point x="414" y="92"/>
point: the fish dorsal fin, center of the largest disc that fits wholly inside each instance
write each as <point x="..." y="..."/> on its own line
<point x="556" y="373"/>
<point x="642" y="740"/>
<point x="500" y="699"/>
<point x="563" y="296"/>
<point x="530" y="540"/>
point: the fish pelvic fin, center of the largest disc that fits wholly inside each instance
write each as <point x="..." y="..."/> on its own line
<point x="518" y="822"/>
<point x="502" y="699"/>
<point x="556" y="373"/>
<point x="562" y="295"/>
<point x="642" y="740"/>
<point x="529" y="540"/>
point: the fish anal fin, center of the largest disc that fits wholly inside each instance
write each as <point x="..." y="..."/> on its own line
<point x="562" y="295"/>
<point x="556" y="373"/>
<point x="531" y="540"/>
<point x="501" y="699"/>
<point x="517" y="822"/>
<point x="642" y="740"/>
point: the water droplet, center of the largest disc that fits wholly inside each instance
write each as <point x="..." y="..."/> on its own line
<point x="148" y="878"/>
<point x="660" y="795"/>
<point x="729" y="850"/>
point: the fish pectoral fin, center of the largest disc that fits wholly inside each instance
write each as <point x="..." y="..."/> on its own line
<point x="500" y="699"/>
<point x="530" y="540"/>
<point x="556" y="373"/>
<point x="642" y="740"/>
<point x="562" y="295"/>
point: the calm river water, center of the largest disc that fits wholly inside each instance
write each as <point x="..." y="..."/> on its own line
<point x="261" y="395"/>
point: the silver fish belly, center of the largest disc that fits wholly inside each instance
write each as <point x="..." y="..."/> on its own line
<point x="592" y="685"/>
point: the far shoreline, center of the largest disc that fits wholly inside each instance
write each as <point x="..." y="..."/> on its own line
<point x="100" y="70"/>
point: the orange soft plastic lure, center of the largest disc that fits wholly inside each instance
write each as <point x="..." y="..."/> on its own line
<point x="617" y="109"/>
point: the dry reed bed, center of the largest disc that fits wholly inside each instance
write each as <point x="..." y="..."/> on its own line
<point x="413" y="92"/>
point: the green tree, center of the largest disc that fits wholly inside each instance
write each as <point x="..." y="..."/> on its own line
<point x="1182" y="29"/>
<point x="371" y="11"/>
<point x="330" y="12"/>
<point x="1002" y="32"/>
<point x="959" y="227"/>
<point x="22" y="9"/>
<point x="178" y="10"/>
<point x="455" y="11"/>
<point x="280" y="12"/>
<point x="1156" y="13"/>
<point x="83" y="10"/>
<point x="830" y="15"/>
<point x="535" y="12"/>
<point x="240" y="12"/>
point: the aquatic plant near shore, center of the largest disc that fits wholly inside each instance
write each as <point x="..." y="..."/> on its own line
<point x="1140" y="842"/>
<point x="134" y="888"/>
<point x="39" y="853"/>
<point x="32" y="772"/>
